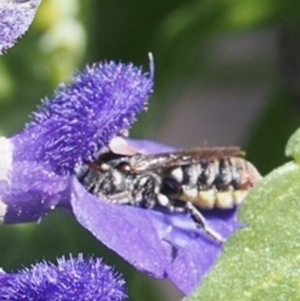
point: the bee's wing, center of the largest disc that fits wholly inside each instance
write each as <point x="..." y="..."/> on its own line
<point x="184" y="157"/>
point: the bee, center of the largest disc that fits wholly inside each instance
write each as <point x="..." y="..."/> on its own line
<point x="186" y="181"/>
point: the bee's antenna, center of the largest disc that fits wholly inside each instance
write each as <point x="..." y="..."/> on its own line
<point x="151" y="65"/>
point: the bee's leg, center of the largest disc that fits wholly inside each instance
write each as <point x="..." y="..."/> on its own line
<point x="201" y="223"/>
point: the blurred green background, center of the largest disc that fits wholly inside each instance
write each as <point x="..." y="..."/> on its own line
<point x="227" y="73"/>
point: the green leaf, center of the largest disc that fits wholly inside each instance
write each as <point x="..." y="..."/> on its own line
<point x="262" y="260"/>
<point x="293" y="147"/>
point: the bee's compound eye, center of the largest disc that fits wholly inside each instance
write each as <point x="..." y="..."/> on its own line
<point x="124" y="167"/>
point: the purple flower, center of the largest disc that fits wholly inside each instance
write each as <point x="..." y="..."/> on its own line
<point x="15" y="18"/>
<point x="90" y="279"/>
<point x="164" y="246"/>
<point x="37" y="174"/>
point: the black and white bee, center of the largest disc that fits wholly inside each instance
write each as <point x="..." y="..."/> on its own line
<point x="188" y="181"/>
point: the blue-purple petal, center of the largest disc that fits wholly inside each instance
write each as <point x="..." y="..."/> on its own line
<point x="162" y="245"/>
<point x="126" y="230"/>
<point x="31" y="191"/>
<point x="15" y="18"/>
<point x="84" y="116"/>
<point x="196" y="253"/>
<point x="71" y="279"/>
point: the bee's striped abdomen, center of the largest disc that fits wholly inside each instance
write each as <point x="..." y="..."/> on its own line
<point x="220" y="183"/>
